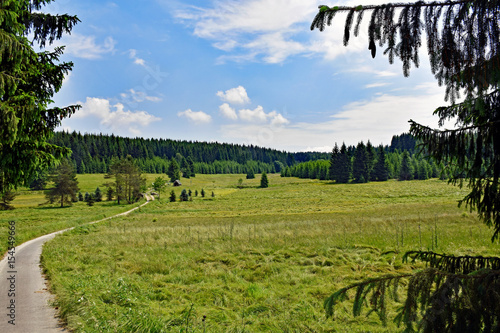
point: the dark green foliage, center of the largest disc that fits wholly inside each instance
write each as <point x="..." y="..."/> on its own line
<point x="360" y="164"/>
<point x="184" y="195"/>
<point x="264" y="182"/>
<point x="403" y="142"/>
<point x="128" y="180"/>
<point x="196" y="193"/>
<point x="65" y="184"/>
<point x="380" y="172"/>
<point x="5" y="199"/>
<point x="456" y="294"/>
<point x="213" y="194"/>
<point x="250" y="174"/>
<point x="97" y="195"/>
<point x="28" y="81"/>
<point x="80" y="196"/>
<point x="173" y="171"/>
<point x="39" y="182"/>
<point x="110" y="193"/>
<point x="406" y="170"/>
<point x="172" y="196"/>
<point x="86" y="197"/>
<point x="202" y="193"/>
<point x="464" y="286"/>
<point x="90" y="200"/>
<point x="94" y="153"/>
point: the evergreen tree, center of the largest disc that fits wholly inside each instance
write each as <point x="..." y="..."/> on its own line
<point x="97" y="195"/>
<point x="344" y="166"/>
<point x="333" y="170"/>
<point x="370" y="157"/>
<point x="380" y="170"/>
<point x="110" y="193"/>
<point x="202" y="193"/>
<point x="80" y="196"/>
<point x="5" y="200"/>
<point x="360" y="164"/>
<point x="28" y="81"/>
<point x="172" y="196"/>
<point x="250" y="173"/>
<point x="190" y="163"/>
<point x="39" y="182"/>
<point x="90" y="200"/>
<point x="65" y="184"/>
<point x="184" y="195"/>
<point x="264" y="182"/>
<point x="173" y="171"/>
<point x="406" y="170"/>
<point x="463" y="42"/>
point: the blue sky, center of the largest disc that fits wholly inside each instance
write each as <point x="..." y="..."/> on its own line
<point x="248" y="72"/>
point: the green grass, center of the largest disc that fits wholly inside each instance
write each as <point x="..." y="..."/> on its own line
<point x="251" y="259"/>
<point x="33" y="217"/>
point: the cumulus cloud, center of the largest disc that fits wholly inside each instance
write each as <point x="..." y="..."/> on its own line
<point x="236" y="95"/>
<point x="87" y="47"/>
<point x="228" y="112"/>
<point x="114" y="117"/>
<point x="198" y="117"/>
<point x="258" y="115"/>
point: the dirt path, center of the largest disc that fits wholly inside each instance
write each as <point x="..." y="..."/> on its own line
<point x="24" y="298"/>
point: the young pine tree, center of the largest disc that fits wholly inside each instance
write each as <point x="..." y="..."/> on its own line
<point x="264" y="182"/>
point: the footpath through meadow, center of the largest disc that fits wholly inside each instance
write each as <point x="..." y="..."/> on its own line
<point x="24" y="297"/>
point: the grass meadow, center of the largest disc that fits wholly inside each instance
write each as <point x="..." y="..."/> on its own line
<point x="34" y="217"/>
<point x="249" y="259"/>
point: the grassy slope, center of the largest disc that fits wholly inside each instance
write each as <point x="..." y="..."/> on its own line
<point x="253" y="260"/>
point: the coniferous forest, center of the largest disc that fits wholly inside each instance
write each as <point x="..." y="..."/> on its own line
<point x="92" y="153"/>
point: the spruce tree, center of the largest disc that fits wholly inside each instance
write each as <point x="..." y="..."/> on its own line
<point x="250" y="173"/>
<point x="333" y="170"/>
<point x="406" y="171"/>
<point x="172" y="196"/>
<point x="173" y="170"/>
<point x="28" y="81"/>
<point x="98" y="195"/>
<point x="344" y="166"/>
<point x="380" y="171"/>
<point x="264" y="182"/>
<point x="456" y="293"/>
<point x="360" y="164"/>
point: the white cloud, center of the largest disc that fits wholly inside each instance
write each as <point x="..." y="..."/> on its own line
<point x="198" y="117"/>
<point x="376" y="85"/>
<point x="236" y="95"/>
<point x="114" y="117"/>
<point x="258" y="115"/>
<point x="86" y="46"/>
<point x="228" y="111"/>
<point x="138" y="61"/>
<point x="138" y="96"/>
<point x="377" y="120"/>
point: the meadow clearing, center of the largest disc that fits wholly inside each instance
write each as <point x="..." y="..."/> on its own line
<point x="245" y="260"/>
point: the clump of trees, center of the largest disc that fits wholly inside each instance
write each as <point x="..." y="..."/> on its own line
<point x="364" y="163"/>
<point x="456" y="293"/>
<point x="128" y="181"/>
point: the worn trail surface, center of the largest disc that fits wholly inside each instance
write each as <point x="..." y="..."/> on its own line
<point x="24" y="298"/>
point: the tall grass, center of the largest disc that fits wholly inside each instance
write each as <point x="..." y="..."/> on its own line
<point x="252" y="260"/>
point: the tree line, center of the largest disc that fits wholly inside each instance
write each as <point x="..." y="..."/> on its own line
<point x="94" y="153"/>
<point x="365" y="163"/>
